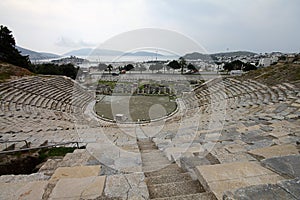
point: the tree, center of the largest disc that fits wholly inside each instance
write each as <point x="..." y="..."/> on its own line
<point x="182" y="64"/>
<point x="8" y="51"/>
<point x="54" y="69"/>
<point x="109" y="67"/>
<point x="102" y="67"/>
<point x="174" y="65"/>
<point x="238" y="65"/>
<point x="156" y="66"/>
<point x="234" y="65"/>
<point x="249" y="67"/>
<point x="152" y="68"/>
<point x="128" y="67"/>
<point x="192" y="67"/>
<point x="140" y="68"/>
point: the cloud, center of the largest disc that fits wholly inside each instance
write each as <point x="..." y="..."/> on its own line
<point x="67" y="42"/>
<point x="58" y="25"/>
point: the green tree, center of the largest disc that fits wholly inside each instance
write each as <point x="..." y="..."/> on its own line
<point x="192" y="67"/>
<point x="174" y="65"/>
<point x="248" y="67"/>
<point x="102" y="66"/>
<point x="182" y="64"/>
<point x="8" y="51"/>
<point x="239" y="65"/>
<point x="156" y="66"/>
<point x="110" y="68"/>
<point x="140" y="68"/>
<point x="234" y="65"/>
<point x="54" y="69"/>
<point x="128" y="67"/>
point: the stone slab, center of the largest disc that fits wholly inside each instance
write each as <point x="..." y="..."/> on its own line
<point x="126" y="186"/>
<point x="75" y="172"/>
<point x="174" y="153"/>
<point x="226" y="157"/>
<point x="268" y="191"/>
<point x="248" y="128"/>
<point x="77" y="188"/>
<point x="275" y="151"/>
<point x="235" y="148"/>
<point x="291" y="186"/>
<point x="285" y="165"/>
<point x="174" y="189"/>
<point x="230" y="176"/>
<point x="23" y="190"/>
<point x="202" y="196"/>
<point x="278" y="134"/>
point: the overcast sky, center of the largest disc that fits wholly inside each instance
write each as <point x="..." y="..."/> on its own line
<point x="58" y="26"/>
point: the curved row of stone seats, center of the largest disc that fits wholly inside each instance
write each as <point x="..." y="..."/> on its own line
<point x="255" y="93"/>
<point x="33" y="107"/>
<point x="260" y="122"/>
<point x="263" y="105"/>
<point x="41" y="94"/>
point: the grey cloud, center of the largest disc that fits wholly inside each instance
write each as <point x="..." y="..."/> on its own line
<point x="67" y="42"/>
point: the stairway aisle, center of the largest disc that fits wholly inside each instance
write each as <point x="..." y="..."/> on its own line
<point x="165" y="180"/>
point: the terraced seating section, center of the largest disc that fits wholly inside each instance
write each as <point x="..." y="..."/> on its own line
<point x="39" y="108"/>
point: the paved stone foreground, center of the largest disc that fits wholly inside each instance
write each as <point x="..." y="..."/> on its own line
<point x="287" y="166"/>
<point x="76" y="188"/>
<point x="288" y="189"/>
<point x="230" y="176"/>
<point x="127" y="186"/>
<point x="275" y="151"/>
<point x="22" y="190"/>
<point x="75" y="172"/>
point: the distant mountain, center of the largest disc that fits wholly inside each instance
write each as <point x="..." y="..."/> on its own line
<point x="197" y="56"/>
<point x="33" y="55"/>
<point x="143" y="53"/>
<point x="234" y="53"/>
<point x="107" y="52"/>
<point x="200" y="56"/>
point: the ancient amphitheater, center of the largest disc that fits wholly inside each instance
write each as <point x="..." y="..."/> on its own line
<point x="232" y="139"/>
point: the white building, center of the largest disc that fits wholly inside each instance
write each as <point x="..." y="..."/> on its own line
<point x="266" y="62"/>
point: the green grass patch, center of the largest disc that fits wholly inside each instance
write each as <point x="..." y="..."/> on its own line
<point x="4" y="76"/>
<point x="112" y="84"/>
<point x="143" y="108"/>
<point x="57" y="151"/>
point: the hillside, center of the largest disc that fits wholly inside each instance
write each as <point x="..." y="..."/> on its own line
<point x="201" y="56"/>
<point x="33" y="55"/>
<point x="107" y="52"/>
<point x="9" y="70"/>
<point x="276" y="74"/>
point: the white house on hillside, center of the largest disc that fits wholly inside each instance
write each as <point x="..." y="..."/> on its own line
<point x="266" y="62"/>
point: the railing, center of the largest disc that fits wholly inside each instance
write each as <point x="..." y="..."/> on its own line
<point x="36" y="148"/>
<point x="13" y="141"/>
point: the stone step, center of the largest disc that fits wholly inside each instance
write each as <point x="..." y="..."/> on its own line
<point x="174" y="189"/>
<point x="152" y="154"/>
<point x="163" y="161"/>
<point x="150" y="145"/>
<point x="170" y="169"/>
<point x="220" y="178"/>
<point x="153" y="168"/>
<point x="89" y="187"/>
<point x="197" y="196"/>
<point x="147" y="148"/>
<point x="168" y="178"/>
<point x="76" y="172"/>
<point x="154" y="159"/>
<point x="23" y="190"/>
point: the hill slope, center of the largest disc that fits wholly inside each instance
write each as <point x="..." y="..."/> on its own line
<point x="197" y="55"/>
<point x="279" y="73"/>
<point x="33" y="55"/>
<point x="9" y="70"/>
